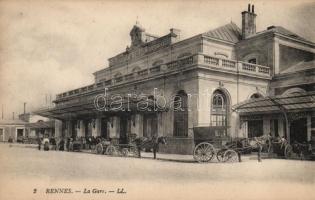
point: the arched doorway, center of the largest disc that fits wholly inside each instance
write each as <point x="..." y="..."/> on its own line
<point x="181" y="114"/>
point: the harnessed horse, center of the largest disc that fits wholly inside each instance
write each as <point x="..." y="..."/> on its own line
<point x="146" y="143"/>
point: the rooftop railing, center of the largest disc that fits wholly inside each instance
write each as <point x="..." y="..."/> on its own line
<point x="198" y="60"/>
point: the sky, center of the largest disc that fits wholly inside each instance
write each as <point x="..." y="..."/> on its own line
<point x="48" y="47"/>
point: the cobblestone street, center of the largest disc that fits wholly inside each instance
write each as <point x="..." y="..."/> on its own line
<point x="27" y="171"/>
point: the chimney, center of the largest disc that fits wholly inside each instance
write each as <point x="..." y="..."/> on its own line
<point x="248" y="22"/>
<point x="175" y="34"/>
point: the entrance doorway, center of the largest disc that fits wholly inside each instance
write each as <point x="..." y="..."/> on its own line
<point x="123" y="139"/>
<point x="104" y="132"/>
<point x="20" y="132"/>
<point x="298" y="130"/>
<point x="150" y="125"/>
<point x="255" y="128"/>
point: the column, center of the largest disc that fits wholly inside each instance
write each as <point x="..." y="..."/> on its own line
<point x="276" y="57"/>
<point x="280" y="127"/>
<point x="266" y="126"/>
<point x="114" y="127"/>
<point x="160" y="129"/>
<point x="97" y="130"/>
<point x="81" y="130"/>
<point x="137" y="126"/>
<point x="69" y="128"/>
<point x="243" y="132"/>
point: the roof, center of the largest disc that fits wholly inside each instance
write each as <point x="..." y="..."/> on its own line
<point x="229" y="32"/>
<point x="86" y="107"/>
<point x="283" y="31"/>
<point x="290" y="102"/>
<point x="301" y="66"/>
<point x="42" y="124"/>
<point x="12" y="122"/>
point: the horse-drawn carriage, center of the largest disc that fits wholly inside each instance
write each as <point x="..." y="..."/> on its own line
<point x="133" y="148"/>
<point x="112" y="147"/>
<point x="210" y="143"/>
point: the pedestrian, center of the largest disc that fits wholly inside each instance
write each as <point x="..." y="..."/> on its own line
<point x="46" y="144"/>
<point x="61" y="145"/>
<point x="53" y="144"/>
<point x="39" y="142"/>
<point x="68" y="143"/>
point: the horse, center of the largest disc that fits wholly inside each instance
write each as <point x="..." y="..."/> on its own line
<point x="149" y="143"/>
<point x="260" y="143"/>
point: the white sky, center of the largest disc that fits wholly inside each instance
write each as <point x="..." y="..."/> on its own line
<point x="51" y="47"/>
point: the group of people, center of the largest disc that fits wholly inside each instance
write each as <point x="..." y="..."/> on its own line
<point x="62" y="144"/>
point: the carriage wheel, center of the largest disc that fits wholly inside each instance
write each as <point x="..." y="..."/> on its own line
<point x="220" y="155"/>
<point x="99" y="149"/>
<point x="111" y="150"/>
<point x="125" y="152"/>
<point x="288" y="151"/>
<point x="203" y="152"/>
<point x="230" y="156"/>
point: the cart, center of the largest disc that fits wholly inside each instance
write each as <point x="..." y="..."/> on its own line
<point x="281" y="148"/>
<point x="209" y="144"/>
<point x="114" y="148"/>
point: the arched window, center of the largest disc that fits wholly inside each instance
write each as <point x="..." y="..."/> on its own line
<point x="219" y="113"/>
<point x="252" y="61"/>
<point x="218" y="101"/>
<point x="181" y="114"/>
<point x="256" y="96"/>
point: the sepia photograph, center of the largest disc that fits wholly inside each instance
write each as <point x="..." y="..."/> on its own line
<point x="157" y="100"/>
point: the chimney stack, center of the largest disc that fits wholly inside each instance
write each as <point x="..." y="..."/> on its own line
<point x="248" y="22"/>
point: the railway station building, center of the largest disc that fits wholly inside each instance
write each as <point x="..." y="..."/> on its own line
<point x="230" y="78"/>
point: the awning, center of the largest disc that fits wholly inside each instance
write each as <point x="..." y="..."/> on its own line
<point x="41" y="124"/>
<point x="87" y="107"/>
<point x="274" y="104"/>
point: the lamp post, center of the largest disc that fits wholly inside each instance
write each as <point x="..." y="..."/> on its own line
<point x="284" y="112"/>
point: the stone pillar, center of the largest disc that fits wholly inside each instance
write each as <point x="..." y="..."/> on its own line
<point x="309" y="127"/>
<point x="81" y="130"/>
<point x="160" y="128"/>
<point x="276" y="57"/>
<point x="137" y="126"/>
<point x="280" y="127"/>
<point x="236" y="126"/>
<point x="97" y="130"/>
<point x="114" y="127"/>
<point x="243" y="130"/>
<point x="69" y="128"/>
<point x="266" y="126"/>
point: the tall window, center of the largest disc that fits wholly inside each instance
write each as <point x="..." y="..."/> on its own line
<point x="181" y="115"/>
<point x="219" y="110"/>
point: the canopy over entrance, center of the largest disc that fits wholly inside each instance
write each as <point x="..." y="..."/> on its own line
<point x="275" y="104"/>
<point x="87" y="108"/>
